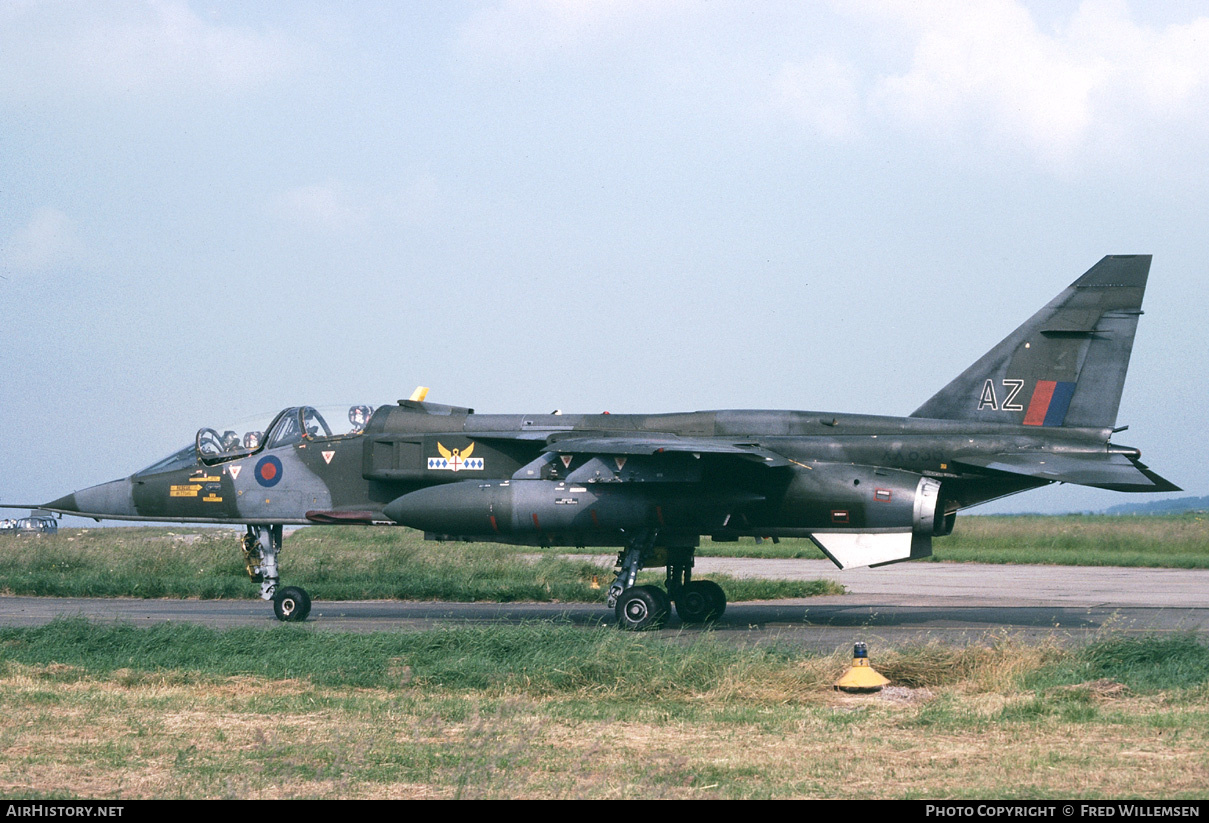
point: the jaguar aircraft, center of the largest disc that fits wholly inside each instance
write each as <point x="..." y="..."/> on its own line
<point x="1038" y="408"/>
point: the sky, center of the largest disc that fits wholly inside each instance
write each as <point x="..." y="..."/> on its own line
<point x="210" y="211"/>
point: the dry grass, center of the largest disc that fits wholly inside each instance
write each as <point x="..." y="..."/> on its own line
<point x="608" y="715"/>
<point x="991" y="668"/>
<point x="124" y="736"/>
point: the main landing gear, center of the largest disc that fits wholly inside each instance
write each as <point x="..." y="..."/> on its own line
<point x="261" y="545"/>
<point x="639" y="608"/>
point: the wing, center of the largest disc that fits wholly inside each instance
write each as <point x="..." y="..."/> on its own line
<point x="446" y="453"/>
<point x="634" y="459"/>
<point x="467" y="451"/>
<point x="1117" y="472"/>
<point x="666" y="445"/>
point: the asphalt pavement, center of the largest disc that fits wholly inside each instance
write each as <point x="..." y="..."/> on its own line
<point x="904" y="603"/>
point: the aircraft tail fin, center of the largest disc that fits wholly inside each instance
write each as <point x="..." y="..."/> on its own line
<point x="1065" y="366"/>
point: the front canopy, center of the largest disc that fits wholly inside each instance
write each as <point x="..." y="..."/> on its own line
<point x="290" y="426"/>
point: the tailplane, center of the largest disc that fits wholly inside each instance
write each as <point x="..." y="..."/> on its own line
<point x="1066" y="365"/>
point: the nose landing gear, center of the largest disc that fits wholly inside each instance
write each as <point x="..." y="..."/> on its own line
<point x="261" y="545"/>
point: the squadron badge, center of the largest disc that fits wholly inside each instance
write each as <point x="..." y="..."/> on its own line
<point x="455" y="460"/>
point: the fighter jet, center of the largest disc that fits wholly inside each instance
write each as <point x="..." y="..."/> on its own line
<point x="1038" y="408"/>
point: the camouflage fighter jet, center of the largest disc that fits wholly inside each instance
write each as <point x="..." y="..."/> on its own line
<point x="1038" y="408"/>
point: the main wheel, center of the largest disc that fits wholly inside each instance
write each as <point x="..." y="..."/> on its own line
<point x="642" y="608"/>
<point x="292" y="604"/>
<point x="700" y="601"/>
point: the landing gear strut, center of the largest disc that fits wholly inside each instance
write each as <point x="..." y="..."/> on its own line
<point x="261" y="545"/>
<point x="639" y="608"/>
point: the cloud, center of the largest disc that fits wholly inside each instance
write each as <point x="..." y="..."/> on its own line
<point x="1094" y="82"/>
<point x="527" y="32"/>
<point x="131" y="47"/>
<point x="823" y="94"/>
<point x="46" y="241"/>
<point x="327" y="207"/>
<point x="338" y="209"/>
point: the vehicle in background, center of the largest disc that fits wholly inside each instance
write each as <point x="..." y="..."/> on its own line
<point x="36" y="523"/>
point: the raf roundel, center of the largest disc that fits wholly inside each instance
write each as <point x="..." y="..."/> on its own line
<point x="268" y="471"/>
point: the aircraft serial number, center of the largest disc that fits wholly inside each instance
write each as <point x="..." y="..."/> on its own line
<point x="920" y="456"/>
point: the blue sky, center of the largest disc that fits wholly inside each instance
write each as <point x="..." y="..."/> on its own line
<point x="209" y="211"/>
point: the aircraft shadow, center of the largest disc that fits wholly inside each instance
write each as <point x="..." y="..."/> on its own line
<point x="738" y="616"/>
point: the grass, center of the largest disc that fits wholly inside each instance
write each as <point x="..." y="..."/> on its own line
<point x="342" y="562"/>
<point x="333" y="563"/>
<point x="1169" y="541"/>
<point x="556" y="711"/>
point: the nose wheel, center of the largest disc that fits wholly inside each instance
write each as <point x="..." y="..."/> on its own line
<point x="291" y="604"/>
<point x="261" y="545"/>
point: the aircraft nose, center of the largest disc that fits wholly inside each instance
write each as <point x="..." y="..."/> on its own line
<point x="112" y="499"/>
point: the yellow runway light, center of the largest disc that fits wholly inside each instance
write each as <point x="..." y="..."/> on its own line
<point x="861" y="677"/>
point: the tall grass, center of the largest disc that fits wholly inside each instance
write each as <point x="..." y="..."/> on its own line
<point x="1139" y="664"/>
<point x="537" y="660"/>
<point x="544" y="659"/>
<point x="1172" y="541"/>
<point x="332" y="563"/>
<point x="134" y="562"/>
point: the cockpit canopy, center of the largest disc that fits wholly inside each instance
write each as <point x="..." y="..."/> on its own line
<point x="289" y="426"/>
